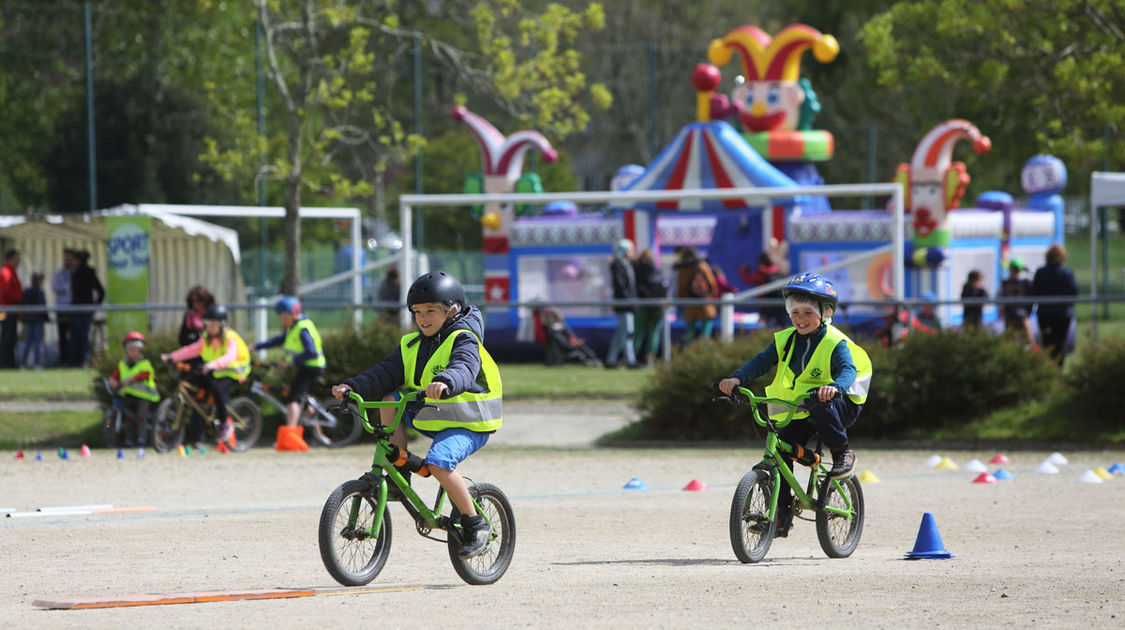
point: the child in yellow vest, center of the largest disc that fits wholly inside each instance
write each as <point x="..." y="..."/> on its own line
<point x="226" y="362"/>
<point x="812" y="357"/>
<point x="446" y="358"/>
<point x="303" y="350"/>
<point x="135" y="381"/>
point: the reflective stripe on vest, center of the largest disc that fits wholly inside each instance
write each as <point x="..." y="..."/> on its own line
<point x="146" y="389"/>
<point x="476" y="412"/>
<point x="239" y="368"/>
<point x="817" y="372"/>
<point x="294" y="347"/>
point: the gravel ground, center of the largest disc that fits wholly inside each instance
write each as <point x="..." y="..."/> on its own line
<point x="1042" y="550"/>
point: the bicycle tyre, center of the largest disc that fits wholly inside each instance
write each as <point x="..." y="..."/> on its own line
<point x="168" y="425"/>
<point x="247" y="420"/>
<point x="110" y="425"/>
<point x="751" y="530"/>
<point x="352" y="560"/>
<point x="346" y="429"/>
<point x="490" y="565"/>
<point x="839" y="535"/>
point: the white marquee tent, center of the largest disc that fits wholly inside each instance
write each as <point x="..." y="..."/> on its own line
<point x="1106" y="190"/>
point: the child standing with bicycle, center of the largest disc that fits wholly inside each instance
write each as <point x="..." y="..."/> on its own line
<point x="226" y="362"/>
<point x="303" y="349"/>
<point x="135" y="381"/>
<point x="446" y="358"/>
<point x="812" y="357"/>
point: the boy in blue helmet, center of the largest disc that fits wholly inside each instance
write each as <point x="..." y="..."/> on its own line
<point x="446" y="358"/>
<point x="814" y="357"/>
<point x="303" y="349"/>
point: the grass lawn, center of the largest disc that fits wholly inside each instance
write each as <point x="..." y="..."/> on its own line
<point x="72" y="429"/>
<point x="52" y="383"/>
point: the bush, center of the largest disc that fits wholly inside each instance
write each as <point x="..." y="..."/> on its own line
<point x="1093" y="382"/>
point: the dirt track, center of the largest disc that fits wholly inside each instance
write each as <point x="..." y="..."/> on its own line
<point x="1042" y="550"/>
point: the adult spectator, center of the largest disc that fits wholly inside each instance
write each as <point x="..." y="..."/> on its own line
<point x="973" y="288"/>
<point x="766" y="272"/>
<point x="191" y="327"/>
<point x="33" y="323"/>
<point x="694" y="279"/>
<point x="649" y="319"/>
<point x="11" y="294"/>
<point x="1017" y="314"/>
<point x="624" y="288"/>
<point x="389" y="292"/>
<point x="61" y="284"/>
<point x="86" y="289"/>
<point x="1053" y="279"/>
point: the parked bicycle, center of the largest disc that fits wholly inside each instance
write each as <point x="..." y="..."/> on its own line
<point x="173" y="414"/>
<point x="117" y="417"/>
<point x="837" y="504"/>
<point x="355" y="525"/>
<point x="325" y="418"/>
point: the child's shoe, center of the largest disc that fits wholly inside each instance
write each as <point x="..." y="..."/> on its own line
<point x="842" y="464"/>
<point x="474" y="535"/>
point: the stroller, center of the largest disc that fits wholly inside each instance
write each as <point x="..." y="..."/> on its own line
<point x="559" y="340"/>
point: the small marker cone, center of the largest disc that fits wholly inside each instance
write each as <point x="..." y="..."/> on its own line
<point x="63" y="454"/>
<point x="85" y="452"/>
<point x="928" y="545"/>
<point x="696" y="485"/>
<point x="141" y="453"/>
<point x="1058" y="459"/>
<point x="984" y="478"/>
<point x="1089" y="477"/>
<point x="187" y="450"/>
<point x="180" y="450"/>
<point x="867" y="477"/>
<point x="1003" y="475"/>
<point x="999" y="458"/>
<point x="946" y="464"/>
<point x="38" y="455"/>
<point x="20" y="455"/>
<point x="636" y="484"/>
<point x="1103" y="473"/>
<point x="1047" y="468"/>
<point x="222" y="448"/>
<point x="1117" y="469"/>
<point x="120" y="454"/>
<point x="976" y="466"/>
<point x="934" y="460"/>
<point x="202" y="450"/>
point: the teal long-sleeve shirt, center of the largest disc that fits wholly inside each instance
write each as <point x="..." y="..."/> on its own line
<point x="843" y="368"/>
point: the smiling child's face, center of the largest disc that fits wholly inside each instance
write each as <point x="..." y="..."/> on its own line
<point x="805" y="318"/>
<point x="430" y="316"/>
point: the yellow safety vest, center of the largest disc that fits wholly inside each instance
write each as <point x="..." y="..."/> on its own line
<point x="817" y="372"/>
<point x="294" y="347"/>
<point x="146" y="389"/>
<point x="476" y="412"/>
<point x="240" y="368"/>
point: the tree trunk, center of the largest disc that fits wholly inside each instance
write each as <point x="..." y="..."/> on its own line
<point x="292" y="278"/>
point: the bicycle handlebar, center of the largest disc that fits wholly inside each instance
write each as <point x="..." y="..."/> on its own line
<point x="748" y="397"/>
<point x="409" y="401"/>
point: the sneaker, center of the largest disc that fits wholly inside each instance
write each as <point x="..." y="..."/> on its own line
<point x="227" y="432"/>
<point x="475" y="533"/>
<point x="842" y="464"/>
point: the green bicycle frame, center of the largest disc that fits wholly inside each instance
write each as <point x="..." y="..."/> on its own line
<point x="775" y="446"/>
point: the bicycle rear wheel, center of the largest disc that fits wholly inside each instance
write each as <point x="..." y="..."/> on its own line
<point x="350" y="553"/>
<point x="839" y="535"/>
<point x="332" y="426"/>
<point x="247" y="420"/>
<point x="490" y="565"/>
<point x="169" y="424"/>
<point x="751" y="528"/>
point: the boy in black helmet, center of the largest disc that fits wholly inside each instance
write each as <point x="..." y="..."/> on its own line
<point x="447" y="359"/>
<point x="812" y="357"/>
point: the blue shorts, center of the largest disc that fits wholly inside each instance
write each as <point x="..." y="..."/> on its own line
<point x="451" y="446"/>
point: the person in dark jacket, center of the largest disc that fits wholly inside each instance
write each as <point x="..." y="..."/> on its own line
<point x="447" y="359"/>
<point x="624" y="288"/>
<point x="974" y="289"/>
<point x="191" y="326"/>
<point x="1017" y="315"/>
<point x="1053" y="279"/>
<point x="86" y="289"/>
<point x="650" y="319"/>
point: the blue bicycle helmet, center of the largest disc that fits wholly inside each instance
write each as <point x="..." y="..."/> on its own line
<point x="813" y="285"/>
<point x="288" y="305"/>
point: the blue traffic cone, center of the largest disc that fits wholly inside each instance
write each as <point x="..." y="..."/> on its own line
<point x="63" y="454"/>
<point x="636" y="484"/>
<point x="120" y="454"/>
<point x="928" y="544"/>
<point x="1003" y="475"/>
<point x="38" y="455"/>
<point x="1117" y="469"/>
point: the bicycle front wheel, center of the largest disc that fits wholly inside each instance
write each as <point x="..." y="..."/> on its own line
<point x="332" y="426"/>
<point x="169" y="425"/>
<point x="350" y="553"/>
<point x="247" y="420"/>
<point x="490" y="565"/>
<point x="751" y="528"/>
<point x="838" y="534"/>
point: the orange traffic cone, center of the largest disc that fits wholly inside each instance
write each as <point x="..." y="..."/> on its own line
<point x="291" y="438"/>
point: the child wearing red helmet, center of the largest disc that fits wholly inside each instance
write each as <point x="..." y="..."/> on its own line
<point x="137" y="382"/>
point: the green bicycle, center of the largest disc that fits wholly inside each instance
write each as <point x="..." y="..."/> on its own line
<point x="355" y="524"/>
<point x="837" y="503"/>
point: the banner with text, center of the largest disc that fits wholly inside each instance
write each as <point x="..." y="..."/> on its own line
<point x="127" y="250"/>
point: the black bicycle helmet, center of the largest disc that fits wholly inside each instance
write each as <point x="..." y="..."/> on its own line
<point x="216" y="312"/>
<point x="436" y="286"/>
